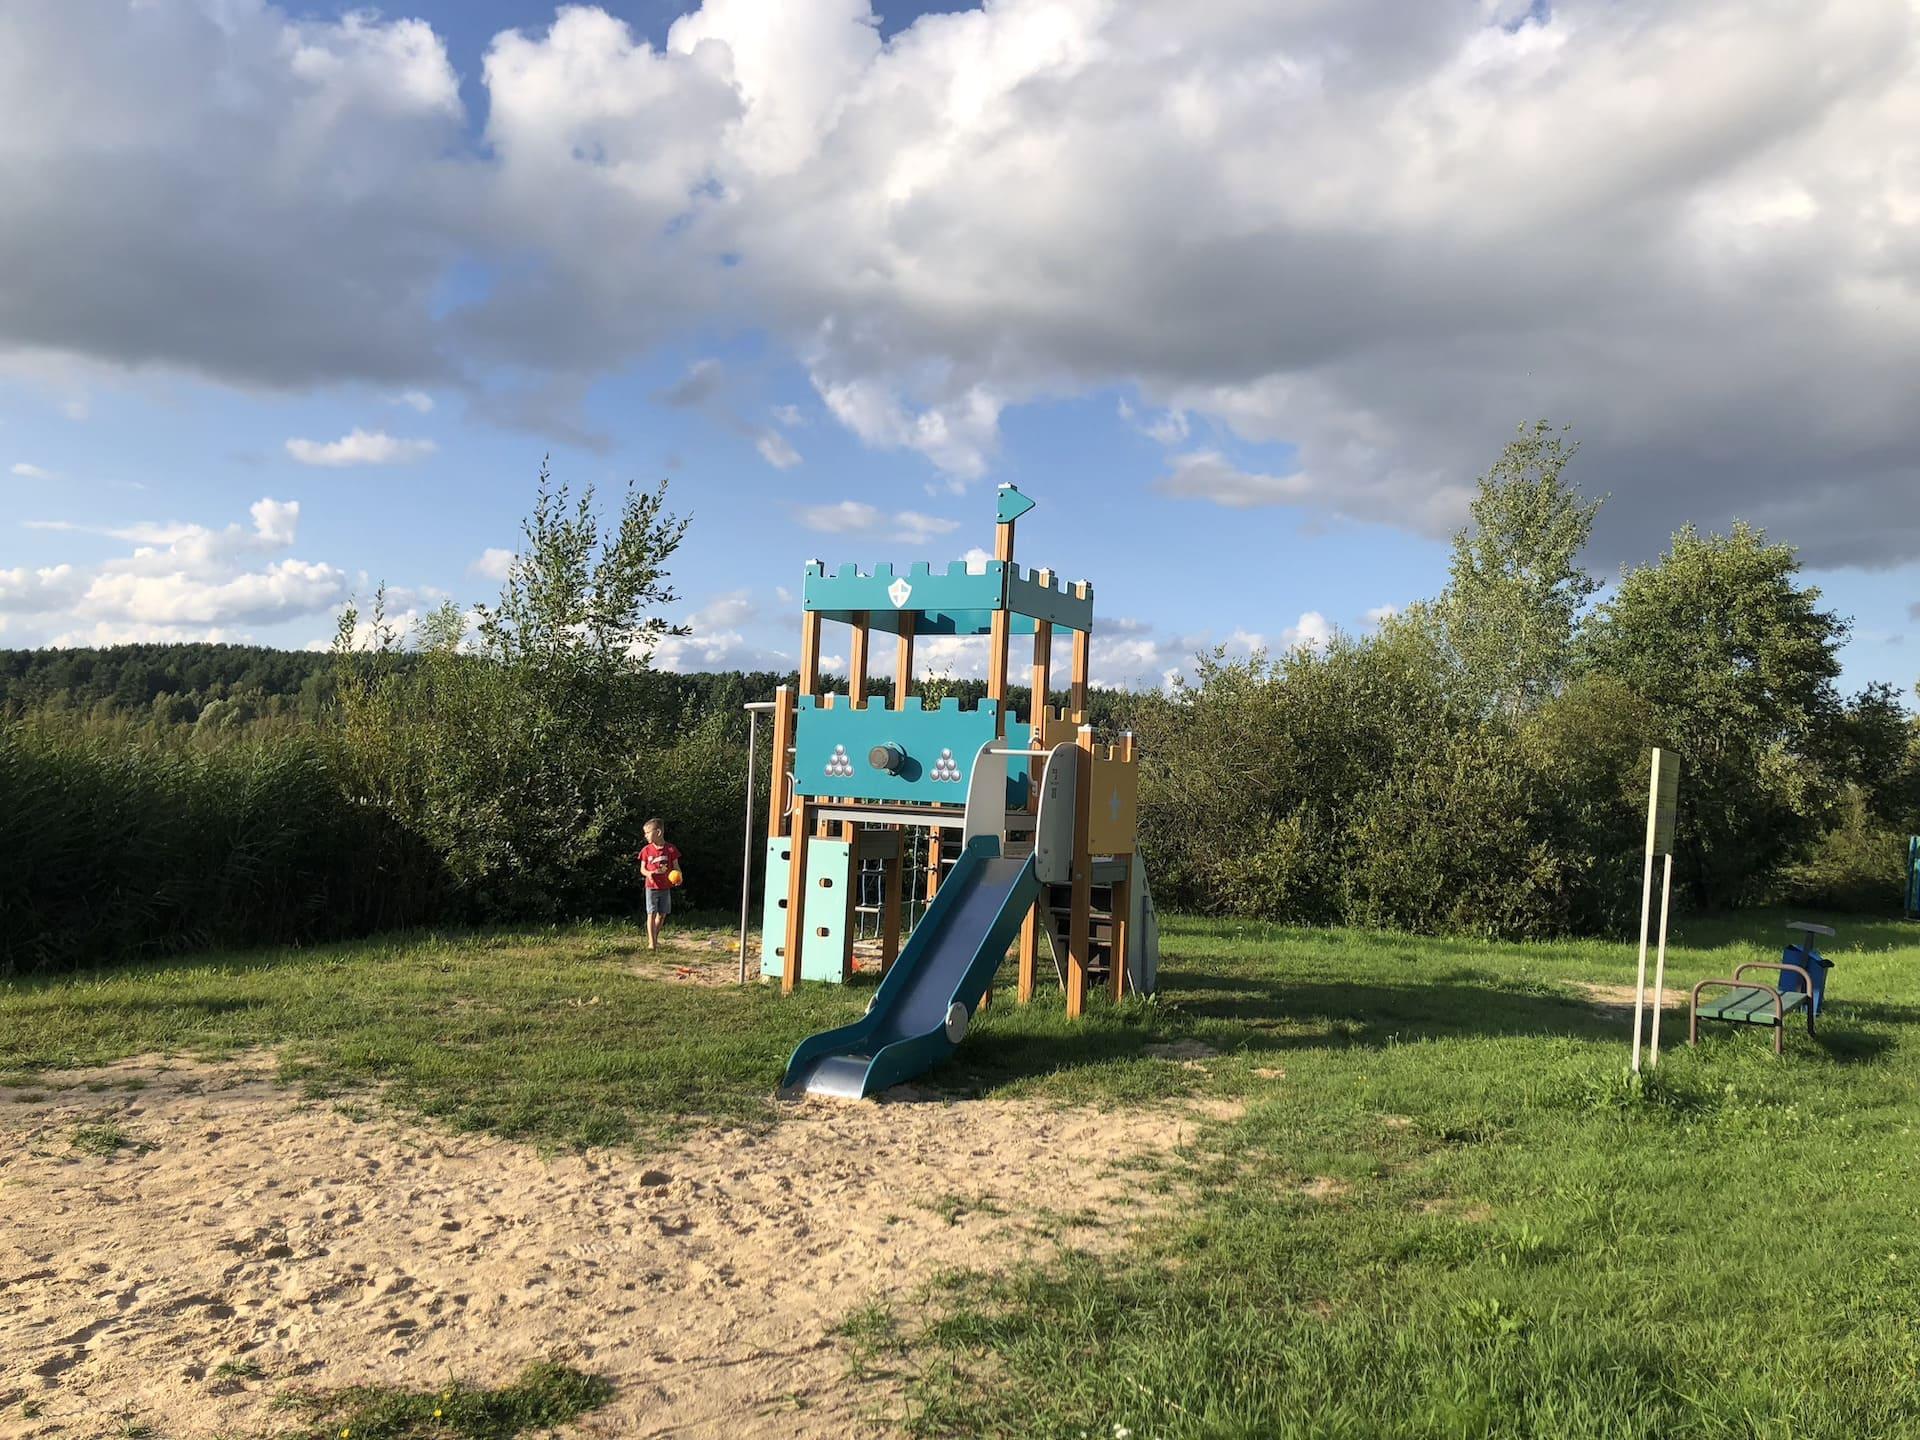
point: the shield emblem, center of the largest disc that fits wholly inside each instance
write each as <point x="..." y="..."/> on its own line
<point x="899" y="592"/>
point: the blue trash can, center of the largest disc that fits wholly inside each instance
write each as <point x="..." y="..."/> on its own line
<point x="1814" y="963"/>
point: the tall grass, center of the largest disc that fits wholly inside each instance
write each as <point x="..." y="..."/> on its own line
<point x="123" y="842"/>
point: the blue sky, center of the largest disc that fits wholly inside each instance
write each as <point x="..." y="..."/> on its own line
<point x="838" y="287"/>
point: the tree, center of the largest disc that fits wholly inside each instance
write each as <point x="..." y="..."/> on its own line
<point x="521" y="752"/>
<point x="1736" y="661"/>
<point x="1516" y="589"/>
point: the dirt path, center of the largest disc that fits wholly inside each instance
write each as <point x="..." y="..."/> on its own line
<point x="703" y="1280"/>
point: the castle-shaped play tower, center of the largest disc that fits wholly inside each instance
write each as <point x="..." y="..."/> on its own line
<point x="1037" y="817"/>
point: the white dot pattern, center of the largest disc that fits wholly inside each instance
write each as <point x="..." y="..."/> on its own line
<point x="839" y="764"/>
<point x="946" y="768"/>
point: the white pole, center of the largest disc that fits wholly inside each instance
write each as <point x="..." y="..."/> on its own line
<point x="746" y="844"/>
<point x="1660" y="965"/>
<point x="1640" y="985"/>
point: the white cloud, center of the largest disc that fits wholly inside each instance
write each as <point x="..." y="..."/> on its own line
<point x="789" y="416"/>
<point x="75" y="409"/>
<point x="50" y="587"/>
<point x="856" y="517"/>
<point x="1312" y="631"/>
<point x="1378" y="235"/>
<point x="180" y="581"/>
<point x="31" y="472"/>
<point x="362" y="447"/>
<point x="776" y="451"/>
<point x="417" y="401"/>
<point x="1168" y="428"/>
<point x="723" y="612"/>
<point x="1378" y="615"/>
<point x="1207" y="475"/>
<point x="494" y="564"/>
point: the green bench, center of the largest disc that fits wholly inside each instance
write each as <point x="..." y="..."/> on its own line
<point x="1746" y="1003"/>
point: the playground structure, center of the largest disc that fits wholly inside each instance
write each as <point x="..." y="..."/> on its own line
<point x="1912" y="908"/>
<point x="1027" y="825"/>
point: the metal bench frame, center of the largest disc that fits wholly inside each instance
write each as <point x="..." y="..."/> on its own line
<point x="1779" y="1021"/>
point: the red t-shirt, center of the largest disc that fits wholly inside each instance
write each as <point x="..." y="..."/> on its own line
<point x="655" y="862"/>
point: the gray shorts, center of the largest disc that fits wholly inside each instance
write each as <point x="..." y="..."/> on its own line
<point x="659" y="902"/>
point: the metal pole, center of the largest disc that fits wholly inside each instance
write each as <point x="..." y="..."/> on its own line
<point x="746" y="844"/>
<point x="1660" y="965"/>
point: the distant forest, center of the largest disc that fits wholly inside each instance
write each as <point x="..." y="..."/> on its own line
<point x="231" y="686"/>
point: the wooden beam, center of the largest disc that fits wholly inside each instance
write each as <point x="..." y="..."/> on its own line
<point x="903" y="663"/>
<point x="1080" y="908"/>
<point x="933" y="863"/>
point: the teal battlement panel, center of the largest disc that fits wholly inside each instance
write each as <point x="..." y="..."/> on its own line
<point x="832" y="749"/>
<point x="960" y="600"/>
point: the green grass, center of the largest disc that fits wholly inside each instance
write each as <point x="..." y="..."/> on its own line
<point x="1443" y="1210"/>
<point x="102" y="1138"/>
<point x="544" y="1395"/>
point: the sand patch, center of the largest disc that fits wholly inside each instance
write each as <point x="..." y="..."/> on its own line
<point x="1615" y="999"/>
<point x="702" y="1279"/>
<point x="1325" y="1187"/>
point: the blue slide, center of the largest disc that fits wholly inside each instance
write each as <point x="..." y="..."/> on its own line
<point x="921" y="1010"/>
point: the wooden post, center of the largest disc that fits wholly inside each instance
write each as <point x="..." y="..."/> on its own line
<point x="933" y="862"/>
<point x="1077" y="695"/>
<point x="1042" y="671"/>
<point x="782" y="765"/>
<point x="1122" y="897"/>
<point x="1000" y="630"/>
<point x="796" y="894"/>
<point x="857" y="663"/>
<point x="809" y="653"/>
<point x="1042" y="683"/>
<point x="890" y="904"/>
<point x="803" y="818"/>
<point x="1080" y="911"/>
<point x="856" y="699"/>
<point x="903" y="663"/>
<point x="1117" y="981"/>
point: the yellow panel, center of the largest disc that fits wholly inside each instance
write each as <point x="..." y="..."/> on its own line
<point x="1114" y="808"/>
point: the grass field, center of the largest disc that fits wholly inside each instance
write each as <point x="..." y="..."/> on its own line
<point x="1441" y="1210"/>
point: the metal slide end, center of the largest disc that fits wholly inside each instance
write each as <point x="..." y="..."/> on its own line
<point x="841" y="1076"/>
<point x="957" y="1018"/>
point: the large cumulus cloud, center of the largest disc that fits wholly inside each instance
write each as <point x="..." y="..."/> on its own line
<point x="1377" y="233"/>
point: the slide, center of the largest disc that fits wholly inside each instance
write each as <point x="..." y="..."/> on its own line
<point x="921" y="1009"/>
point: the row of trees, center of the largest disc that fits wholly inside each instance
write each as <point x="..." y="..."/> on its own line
<point x="1476" y="765"/>
<point x="1479" y="764"/>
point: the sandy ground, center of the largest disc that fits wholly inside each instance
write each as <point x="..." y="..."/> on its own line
<point x="702" y="1280"/>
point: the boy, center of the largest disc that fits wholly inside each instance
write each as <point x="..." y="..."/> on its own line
<point x="657" y="861"/>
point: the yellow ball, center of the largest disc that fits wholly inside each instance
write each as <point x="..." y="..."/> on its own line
<point x="674" y="877"/>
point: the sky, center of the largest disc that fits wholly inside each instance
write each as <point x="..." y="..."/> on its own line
<point x="294" y="299"/>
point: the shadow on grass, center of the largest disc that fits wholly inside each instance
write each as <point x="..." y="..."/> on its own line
<point x="1240" y="1015"/>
